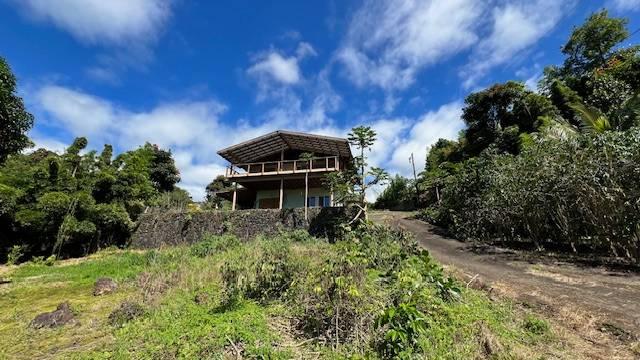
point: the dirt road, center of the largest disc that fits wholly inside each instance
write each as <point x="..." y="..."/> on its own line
<point x="602" y="305"/>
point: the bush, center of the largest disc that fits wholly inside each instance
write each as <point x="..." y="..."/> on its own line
<point x="213" y="244"/>
<point x="403" y="325"/>
<point x="14" y="255"/>
<point x="382" y="247"/>
<point x="265" y="277"/>
<point x="579" y="194"/>
<point x="332" y="301"/>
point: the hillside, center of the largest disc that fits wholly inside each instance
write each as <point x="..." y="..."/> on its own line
<point x="372" y="295"/>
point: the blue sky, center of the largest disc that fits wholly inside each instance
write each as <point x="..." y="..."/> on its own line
<point x="196" y="76"/>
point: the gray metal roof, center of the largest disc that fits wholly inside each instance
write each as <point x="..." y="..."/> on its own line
<point x="272" y="143"/>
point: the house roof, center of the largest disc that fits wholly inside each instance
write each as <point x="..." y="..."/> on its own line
<point x="272" y="143"/>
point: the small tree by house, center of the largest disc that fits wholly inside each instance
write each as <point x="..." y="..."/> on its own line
<point x="350" y="186"/>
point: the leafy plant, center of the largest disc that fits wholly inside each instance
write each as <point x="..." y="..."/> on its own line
<point x="402" y="327"/>
<point x="15" y="254"/>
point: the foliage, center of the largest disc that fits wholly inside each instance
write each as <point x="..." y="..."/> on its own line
<point x="15" y="121"/>
<point x="218" y="185"/>
<point x="14" y="255"/>
<point x="265" y="277"/>
<point x="213" y="244"/>
<point x="350" y="186"/>
<point x="498" y="115"/>
<point x="400" y="194"/>
<point x="591" y="44"/>
<point x="553" y="169"/>
<point x="535" y="326"/>
<point x="342" y="282"/>
<point x="403" y="326"/>
<point x="579" y="195"/>
<point x="74" y="203"/>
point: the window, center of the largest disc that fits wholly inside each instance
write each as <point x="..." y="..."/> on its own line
<point x="325" y="201"/>
<point x="311" y="201"/>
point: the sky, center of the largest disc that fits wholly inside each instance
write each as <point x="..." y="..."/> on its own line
<point x="197" y="76"/>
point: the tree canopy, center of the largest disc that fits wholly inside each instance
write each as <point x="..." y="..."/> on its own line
<point x="15" y="120"/>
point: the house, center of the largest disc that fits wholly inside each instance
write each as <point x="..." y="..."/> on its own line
<point x="271" y="172"/>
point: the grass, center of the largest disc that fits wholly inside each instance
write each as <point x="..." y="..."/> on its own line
<point x="187" y="314"/>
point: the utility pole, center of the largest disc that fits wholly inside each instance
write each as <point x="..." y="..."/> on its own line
<point x="415" y="178"/>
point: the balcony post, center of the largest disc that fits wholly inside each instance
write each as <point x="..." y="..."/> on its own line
<point x="235" y="191"/>
<point x="281" y="192"/>
<point x="306" y="195"/>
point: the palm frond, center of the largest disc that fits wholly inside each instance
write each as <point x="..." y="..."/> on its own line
<point x="592" y="119"/>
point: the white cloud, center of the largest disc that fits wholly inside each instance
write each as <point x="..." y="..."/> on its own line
<point x="515" y="27"/>
<point x="271" y="69"/>
<point x="80" y="113"/>
<point x="100" y="21"/>
<point x="388" y="42"/>
<point x="445" y="122"/>
<point x="47" y="143"/>
<point x="128" y="28"/>
<point x="284" y="70"/>
<point x="625" y="5"/>
<point x="191" y="129"/>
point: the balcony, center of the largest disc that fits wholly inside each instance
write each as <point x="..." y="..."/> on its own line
<point x="323" y="164"/>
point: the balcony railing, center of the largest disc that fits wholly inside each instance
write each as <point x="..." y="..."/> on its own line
<point x="331" y="163"/>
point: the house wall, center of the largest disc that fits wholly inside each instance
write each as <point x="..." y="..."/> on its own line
<point x="293" y="198"/>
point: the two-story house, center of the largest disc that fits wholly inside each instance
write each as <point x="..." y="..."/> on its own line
<point x="269" y="172"/>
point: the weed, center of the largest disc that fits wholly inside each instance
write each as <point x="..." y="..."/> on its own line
<point x="535" y="326"/>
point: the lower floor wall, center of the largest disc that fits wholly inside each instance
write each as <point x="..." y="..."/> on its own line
<point x="157" y="229"/>
<point x="292" y="198"/>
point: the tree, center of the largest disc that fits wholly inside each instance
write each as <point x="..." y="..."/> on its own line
<point x="164" y="173"/>
<point x="398" y="195"/>
<point x="217" y="185"/>
<point x="350" y="186"/>
<point x="15" y="121"/>
<point x="592" y="43"/>
<point x="498" y="115"/>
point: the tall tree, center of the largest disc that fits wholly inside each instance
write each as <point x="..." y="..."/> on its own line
<point x="592" y="43"/>
<point x="499" y="114"/>
<point x="164" y="173"/>
<point x="15" y="121"/>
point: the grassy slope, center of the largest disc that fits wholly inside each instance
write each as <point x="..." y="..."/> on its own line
<point x="175" y="326"/>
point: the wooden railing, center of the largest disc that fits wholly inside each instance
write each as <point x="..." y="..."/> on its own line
<point x="331" y="163"/>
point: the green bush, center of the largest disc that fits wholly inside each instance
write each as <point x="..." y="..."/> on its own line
<point x="265" y="277"/>
<point x="402" y="326"/>
<point x="579" y="194"/>
<point x="15" y="254"/>
<point x="332" y="300"/>
<point x="214" y="244"/>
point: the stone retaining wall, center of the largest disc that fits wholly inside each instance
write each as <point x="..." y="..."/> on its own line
<point x="158" y="229"/>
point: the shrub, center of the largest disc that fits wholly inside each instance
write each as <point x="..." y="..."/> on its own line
<point x="274" y="272"/>
<point x="383" y="248"/>
<point x="579" y="194"/>
<point x="265" y="277"/>
<point x="402" y="326"/>
<point x="126" y="312"/>
<point x="332" y="300"/>
<point x="213" y="244"/>
<point x="14" y="255"/>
